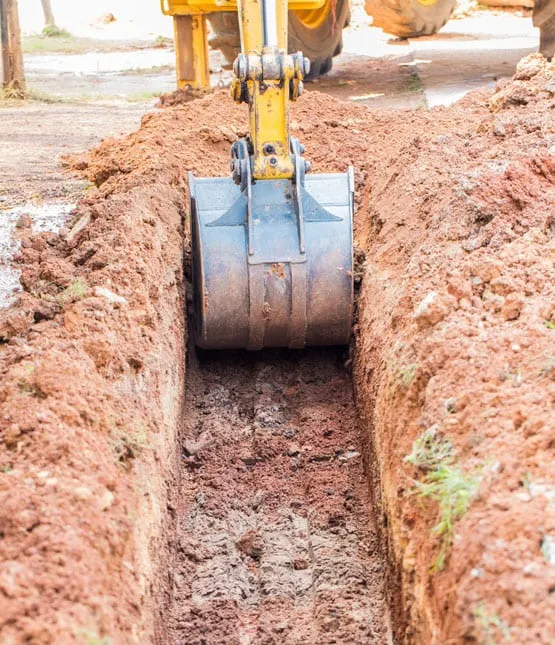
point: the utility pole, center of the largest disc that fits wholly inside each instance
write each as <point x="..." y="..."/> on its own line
<point x="13" y="77"/>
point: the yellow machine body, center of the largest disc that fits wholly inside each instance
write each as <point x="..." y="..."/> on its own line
<point x="191" y="33"/>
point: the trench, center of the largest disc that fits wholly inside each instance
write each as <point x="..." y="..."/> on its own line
<point x="276" y="539"/>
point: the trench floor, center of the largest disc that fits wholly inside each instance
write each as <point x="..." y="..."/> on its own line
<point x="276" y="541"/>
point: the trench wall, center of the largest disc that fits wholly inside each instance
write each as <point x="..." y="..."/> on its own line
<point x="92" y="365"/>
<point x="454" y="366"/>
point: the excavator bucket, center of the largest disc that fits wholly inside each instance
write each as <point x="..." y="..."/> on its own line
<point x="272" y="262"/>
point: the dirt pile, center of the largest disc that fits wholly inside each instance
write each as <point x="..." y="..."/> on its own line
<point x="91" y="378"/>
<point x="455" y="213"/>
<point x="455" y="368"/>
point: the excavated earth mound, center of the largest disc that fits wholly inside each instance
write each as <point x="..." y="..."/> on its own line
<point x="454" y="367"/>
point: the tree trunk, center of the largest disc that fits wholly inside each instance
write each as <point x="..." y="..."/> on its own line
<point x="13" y="77"/>
<point x="5" y="38"/>
<point x="48" y="14"/>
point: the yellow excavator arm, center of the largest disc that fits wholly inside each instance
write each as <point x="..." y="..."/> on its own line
<point x="272" y="246"/>
<point x="266" y="77"/>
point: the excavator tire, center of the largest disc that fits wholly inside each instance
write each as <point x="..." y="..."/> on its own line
<point x="410" y="18"/>
<point x="317" y="33"/>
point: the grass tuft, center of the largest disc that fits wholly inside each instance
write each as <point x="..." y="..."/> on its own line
<point x="43" y="97"/>
<point x="75" y="291"/>
<point x="453" y="490"/>
<point x="414" y="83"/>
<point x="443" y="482"/>
<point x="53" y="31"/>
<point x="12" y="92"/>
<point x="162" y="41"/>
<point x="429" y="450"/>
<point x="490" y="625"/>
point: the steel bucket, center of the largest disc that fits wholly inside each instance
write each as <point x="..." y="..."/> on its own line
<point x="272" y="261"/>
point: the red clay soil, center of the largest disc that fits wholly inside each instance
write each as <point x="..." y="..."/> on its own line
<point x="455" y="214"/>
<point x="456" y="347"/>
<point x="91" y="381"/>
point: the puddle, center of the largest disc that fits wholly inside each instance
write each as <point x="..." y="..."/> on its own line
<point x="47" y="217"/>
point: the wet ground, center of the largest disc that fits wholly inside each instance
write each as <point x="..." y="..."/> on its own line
<point x="468" y="53"/>
<point x="44" y="217"/>
<point x="374" y="67"/>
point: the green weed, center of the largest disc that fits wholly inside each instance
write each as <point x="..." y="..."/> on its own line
<point x="489" y="625"/>
<point x="65" y="43"/>
<point x="162" y="41"/>
<point x="53" y="31"/>
<point x="414" y="84"/>
<point x="75" y="291"/>
<point x="40" y="44"/>
<point x="429" y="451"/>
<point x="43" y="97"/>
<point x="549" y="324"/>
<point x="453" y="490"/>
<point x="443" y="482"/>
